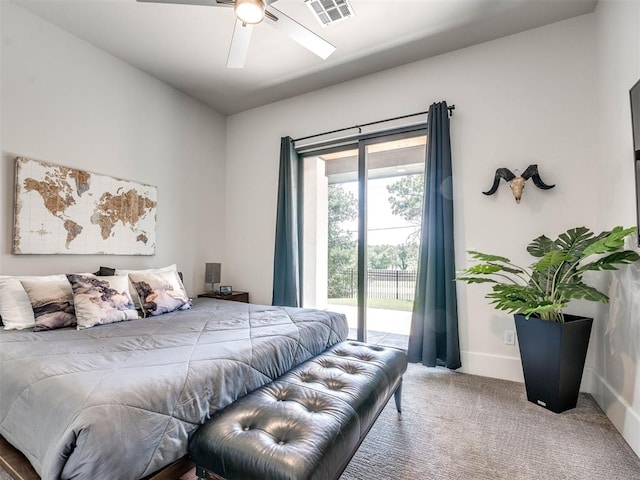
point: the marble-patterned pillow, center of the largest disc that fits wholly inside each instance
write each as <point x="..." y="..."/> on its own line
<point x="170" y="268"/>
<point x="51" y="299"/>
<point x="101" y="300"/>
<point x="159" y="292"/>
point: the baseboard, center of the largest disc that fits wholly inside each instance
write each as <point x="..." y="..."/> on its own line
<point x="490" y="365"/>
<point x="622" y="415"/>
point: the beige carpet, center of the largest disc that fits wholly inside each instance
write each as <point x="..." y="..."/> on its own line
<point x="462" y="427"/>
<point x="458" y="427"/>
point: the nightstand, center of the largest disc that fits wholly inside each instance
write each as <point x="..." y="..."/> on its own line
<point x="233" y="296"/>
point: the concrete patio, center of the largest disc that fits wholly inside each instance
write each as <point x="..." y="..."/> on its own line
<point x="384" y="327"/>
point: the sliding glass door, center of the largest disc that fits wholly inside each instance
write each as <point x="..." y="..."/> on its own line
<point x="394" y="179"/>
<point x="362" y="213"/>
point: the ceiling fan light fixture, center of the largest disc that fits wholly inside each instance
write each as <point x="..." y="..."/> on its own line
<point x="249" y="11"/>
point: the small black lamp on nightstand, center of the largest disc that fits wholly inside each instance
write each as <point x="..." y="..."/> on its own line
<point x="212" y="274"/>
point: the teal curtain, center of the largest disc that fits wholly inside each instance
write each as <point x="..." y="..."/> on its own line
<point x="287" y="257"/>
<point x="434" y="322"/>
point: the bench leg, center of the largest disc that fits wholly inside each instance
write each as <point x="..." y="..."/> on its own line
<point x="397" y="395"/>
<point x="204" y="474"/>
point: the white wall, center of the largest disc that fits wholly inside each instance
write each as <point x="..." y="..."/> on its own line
<point x="615" y="373"/>
<point x="66" y="102"/>
<point x="3" y="208"/>
<point x="536" y="97"/>
<point x="527" y="98"/>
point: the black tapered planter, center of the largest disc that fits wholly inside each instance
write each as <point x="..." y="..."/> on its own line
<point x="553" y="356"/>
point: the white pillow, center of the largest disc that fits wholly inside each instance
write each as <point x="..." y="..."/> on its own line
<point x="101" y="300"/>
<point x="171" y="269"/>
<point x="159" y="293"/>
<point x="15" y="307"/>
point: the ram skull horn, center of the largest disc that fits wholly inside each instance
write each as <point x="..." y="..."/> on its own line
<point x="517" y="182"/>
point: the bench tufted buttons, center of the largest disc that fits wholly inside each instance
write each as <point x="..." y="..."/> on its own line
<point x="351" y="368"/>
<point x="326" y="363"/>
<point x="246" y="429"/>
<point x="279" y="393"/>
<point x="280" y="396"/>
<point x="307" y="377"/>
<point x="364" y="356"/>
<point x="281" y="442"/>
<point x="375" y="348"/>
<point x="333" y="384"/>
<point x="315" y="403"/>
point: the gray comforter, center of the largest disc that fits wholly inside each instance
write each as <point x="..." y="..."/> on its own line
<point x="119" y="401"/>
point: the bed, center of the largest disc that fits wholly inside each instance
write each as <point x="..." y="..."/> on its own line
<point x="119" y="401"/>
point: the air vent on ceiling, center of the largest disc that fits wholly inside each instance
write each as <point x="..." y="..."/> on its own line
<point x="330" y="11"/>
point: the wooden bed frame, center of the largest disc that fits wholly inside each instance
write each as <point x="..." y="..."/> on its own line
<point x="19" y="468"/>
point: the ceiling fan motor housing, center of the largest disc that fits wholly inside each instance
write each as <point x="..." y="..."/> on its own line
<point x="249" y="11"/>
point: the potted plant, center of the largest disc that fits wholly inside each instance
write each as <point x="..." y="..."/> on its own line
<point x="553" y="345"/>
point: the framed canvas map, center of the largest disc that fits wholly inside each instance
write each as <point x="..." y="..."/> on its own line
<point x="64" y="210"/>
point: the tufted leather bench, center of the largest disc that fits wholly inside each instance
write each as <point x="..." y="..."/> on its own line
<point x="305" y="425"/>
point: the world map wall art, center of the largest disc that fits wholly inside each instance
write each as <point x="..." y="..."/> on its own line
<point x="64" y="210"/>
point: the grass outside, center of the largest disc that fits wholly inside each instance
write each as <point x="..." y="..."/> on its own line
<point x="382" y="303"/>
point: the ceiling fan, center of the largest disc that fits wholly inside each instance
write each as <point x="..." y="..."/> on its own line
<point x="251" y="12"/>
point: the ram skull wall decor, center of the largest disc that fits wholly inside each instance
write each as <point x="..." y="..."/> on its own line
<point x="517" y="182"/>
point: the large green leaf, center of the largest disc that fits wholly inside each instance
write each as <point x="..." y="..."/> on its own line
<point x="609" y="241"/>
<point x="520" y="291"/>
<point x="514" y="270"/>
<point x="580" y="290"/>
<point x="476" y="279"/>
<point x="517" y="299"/>
<point x="541" y="246"/>
<point x="513" y="292"/>
<point x="485" y="257"/>
<point x="574" y="241"/>
<point x="610" y="261"/>
<point x="482" y="269"/>
<point x="550" y="260"/>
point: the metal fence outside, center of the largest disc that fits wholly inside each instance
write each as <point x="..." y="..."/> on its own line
<point x="382" y="284"/>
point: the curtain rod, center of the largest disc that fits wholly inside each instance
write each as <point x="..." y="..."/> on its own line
<point x="451" y="108"/>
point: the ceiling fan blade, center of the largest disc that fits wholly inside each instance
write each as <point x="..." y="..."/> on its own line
<point x="207" y="3"/>
<point x="239" y="45"/>
<point x="297" y="32"/>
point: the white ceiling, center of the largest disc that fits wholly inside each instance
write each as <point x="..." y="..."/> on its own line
<point x="186" y="46"/>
